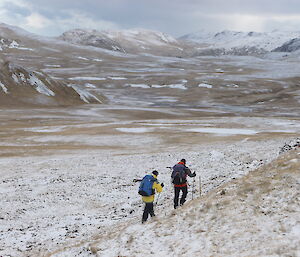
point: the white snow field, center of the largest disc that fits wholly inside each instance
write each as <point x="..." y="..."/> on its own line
<point x="85" y="203"/>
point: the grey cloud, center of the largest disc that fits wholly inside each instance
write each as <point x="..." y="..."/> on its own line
<point x="112" y="8"/>
<point x="14" y="9"/>
<point x="176" y="17"/>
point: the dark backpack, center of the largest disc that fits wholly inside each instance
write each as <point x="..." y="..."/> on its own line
<point x="145" y="188"/>
<point x="178" y="175"/>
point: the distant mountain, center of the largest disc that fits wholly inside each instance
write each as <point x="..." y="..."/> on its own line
<point x="239" y="43"/>
<point x="200" y="36"/>
<point x="91" y="38"/>
<point x="127" y="41"/>
<point x="290" y="46"/>
<point x="195" y="44"/>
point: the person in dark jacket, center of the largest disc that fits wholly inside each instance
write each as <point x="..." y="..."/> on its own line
<point x="179" y="175"/>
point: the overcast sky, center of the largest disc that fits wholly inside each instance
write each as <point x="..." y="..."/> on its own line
<point x="175" y="17"/>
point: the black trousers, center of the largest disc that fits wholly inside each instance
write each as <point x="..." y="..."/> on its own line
<point x="176" y="196"/>
<point x="148" y="210"/>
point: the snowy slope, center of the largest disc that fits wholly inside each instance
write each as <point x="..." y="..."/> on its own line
<point x="92" y="205"/>
<point x="230" y="39"/>
<point x="257" y="215"/>
<point x="290" y="46"/>
<point x="21" y="86"/>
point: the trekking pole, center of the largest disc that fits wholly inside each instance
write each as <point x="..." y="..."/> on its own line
<point x="200" y="189"/>
<point x="157" y="199"/>
<point x="136" y="180"/>
<point x="193" y="189"/>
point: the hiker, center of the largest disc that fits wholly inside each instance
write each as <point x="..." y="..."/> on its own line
<point x="148" y="186"/>
<point x="179" y="174"/>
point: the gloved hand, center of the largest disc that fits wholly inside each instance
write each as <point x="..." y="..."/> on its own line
<point x="194" y="174"/>
<point x="162" y="184"/>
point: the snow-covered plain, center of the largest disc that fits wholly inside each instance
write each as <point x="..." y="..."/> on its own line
<point x="67" y="204"/>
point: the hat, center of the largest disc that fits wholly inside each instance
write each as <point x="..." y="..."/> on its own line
<point x="155" y="172"/>
<point x="183" y="160"/>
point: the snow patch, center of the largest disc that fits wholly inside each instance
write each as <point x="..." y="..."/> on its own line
<point x="89" y="85"/>
<point x="87" y="78"/>
<point x="233" y="85"/>
<point x="40" y="86"/>
<point x="25" y="48"/>
<point x="117" y="78"/>
<point x="183" y="81"/>
<point x="205" y="85"/>
<point x="174" y="86"/>
<point x="224" y="131"/>
<point x="45" y="129"/>
<point x="13" y="44"/>
<point x="15" y="78"/>
<point x="177" y="86"/>
<point x="3" y="88"/>
<point x="158" y="86"/>
<point x="134" y="130"/>
<point x="138" y="85"/>
<point x="84" y="95"/>
<point x="82" y="58"/>
<point x="53" y="65"/>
